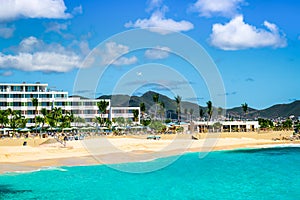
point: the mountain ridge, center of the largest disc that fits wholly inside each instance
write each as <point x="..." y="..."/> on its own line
<point x="272" y="112"/>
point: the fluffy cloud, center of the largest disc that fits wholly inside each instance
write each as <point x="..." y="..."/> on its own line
<point x="34" y="55"/>
<point x="112" y="53"/>
<point x="160" y="24"/>
<point x="209" y="8"/>
<point x="237" y="35"/>
<point x="157" y="53"/>
<point x="11" y="9"/>
<point x="6" y="32"/>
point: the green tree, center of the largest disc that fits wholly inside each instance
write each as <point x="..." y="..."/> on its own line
<point x="191" y="113"/>
<point x="209" y="109"/>
<point x="162" y="110"/>
<point x="120" y="121"/>
<point x="201" y="113"/>
<point x="146" y="121"/>
<point x="102" y="106"/>
<point x="245" y="109"/>
<point x="66" y="120"/>
<point x="135" y="115"/>
<point x="35" y="103"/>
<point x="56" y="114"/>
<point x="265" y="123"/>
<point x="185" y="113"/>
<point x="44" y="113"/>
<point x="155" y="98"/>
<point x="220" y="111"/>
<point x="40" y="120"/>
<point x="157" y="125"/>
<point x="143" y="109"/>
<point x="3" y="118"/>
<point x="178" y="107"/>
<point x="287" y="124"/>
<point x="15" y="119"/>
<point x="78" y="119"/>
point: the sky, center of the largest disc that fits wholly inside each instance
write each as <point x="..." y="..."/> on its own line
<point x="254" y="47"/>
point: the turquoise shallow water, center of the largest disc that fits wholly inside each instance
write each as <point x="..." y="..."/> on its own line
<point x="272" y="173"/>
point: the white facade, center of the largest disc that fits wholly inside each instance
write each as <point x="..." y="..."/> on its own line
<point x="19" y="97"/>
<point x="229" y="126"/>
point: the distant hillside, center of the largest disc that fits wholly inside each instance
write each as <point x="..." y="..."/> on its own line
<point x="279" y="110"/>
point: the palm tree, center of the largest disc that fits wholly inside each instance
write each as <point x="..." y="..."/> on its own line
<point x="245" y="109"/>
<point x="102" y="106"/>
<point x="185" y="113"/>
<point x="44" y="112"/>
<point x="191" y="113"/>
<point x="14" y="121"/>
<point x="201" y="113"/>
<point x="143" y="109"/>
<point x="178" y="110"/>
<point x="135" y="115"/>
<point x="35" y="103"/>
<point x="155" y="100"/>
<point x="3" y="118"/>
<point x="220" y="111"/>
<point x="78" y="119"/>
<point x="209" y="109"/>
<point x="162" y="110"/>
<point x="56" y="115"/>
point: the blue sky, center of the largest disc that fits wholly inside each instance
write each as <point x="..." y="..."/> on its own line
<point x="255" y="45"/>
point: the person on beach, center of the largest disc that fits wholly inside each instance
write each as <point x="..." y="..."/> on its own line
<point x="65" y="140"/>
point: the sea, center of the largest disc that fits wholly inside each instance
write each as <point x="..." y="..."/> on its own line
<point x="261" y="173"/>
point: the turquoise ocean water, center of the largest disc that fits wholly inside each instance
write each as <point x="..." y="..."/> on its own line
<point x="270" y="173"/>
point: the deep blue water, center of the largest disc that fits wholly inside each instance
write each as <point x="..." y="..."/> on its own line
<point x="272" y="173"/>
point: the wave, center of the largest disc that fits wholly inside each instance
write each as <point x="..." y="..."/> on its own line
<point x="36" y="170"/>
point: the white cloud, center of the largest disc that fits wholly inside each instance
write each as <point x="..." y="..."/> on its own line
<point x="34" y="55"/>
<point x="77" y="10"/>
<point x="6" y="32"/>
<point x="157" y="53"/>
<point x="158" y="23"/>
<point x="112" y="53"/>
<point x="6" y="73"/>
<point x="12" y="9"/>
<point x="236" y="34"/>
<point x="208" y="8"/>
<point x="56" y="27"/>
<point x="153" y="4"/>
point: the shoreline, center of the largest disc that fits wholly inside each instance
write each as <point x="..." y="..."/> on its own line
<point x="116" y="150"/>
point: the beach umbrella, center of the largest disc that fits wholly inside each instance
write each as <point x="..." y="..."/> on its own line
<point x="67" y="129"/>
<point x="52" y="129"/>
<point x="24" y="130"/>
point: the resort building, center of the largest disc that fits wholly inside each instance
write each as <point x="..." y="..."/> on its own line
<point x="226" y="126"/>
<point x="18" y="96"/>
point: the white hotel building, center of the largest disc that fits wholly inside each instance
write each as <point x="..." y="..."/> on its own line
<point x="19" y="97"/>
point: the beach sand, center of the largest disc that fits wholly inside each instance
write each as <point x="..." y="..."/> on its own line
<point x="41" y="153"/>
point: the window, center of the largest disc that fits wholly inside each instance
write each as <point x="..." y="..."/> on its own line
<point x="3" y="95"/>
<point x="3" y="103"/>
<point x="15" y="96"/>
<point x="17" y="88"/>
<point x="75" y="103"/>
<point x="31" y="88"/>
<point x="45" y="96"/>
<point x="17" y="104"/>
<point x="46" y="104"/>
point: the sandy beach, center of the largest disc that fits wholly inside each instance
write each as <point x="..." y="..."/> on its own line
<point x="41" y="153"/>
